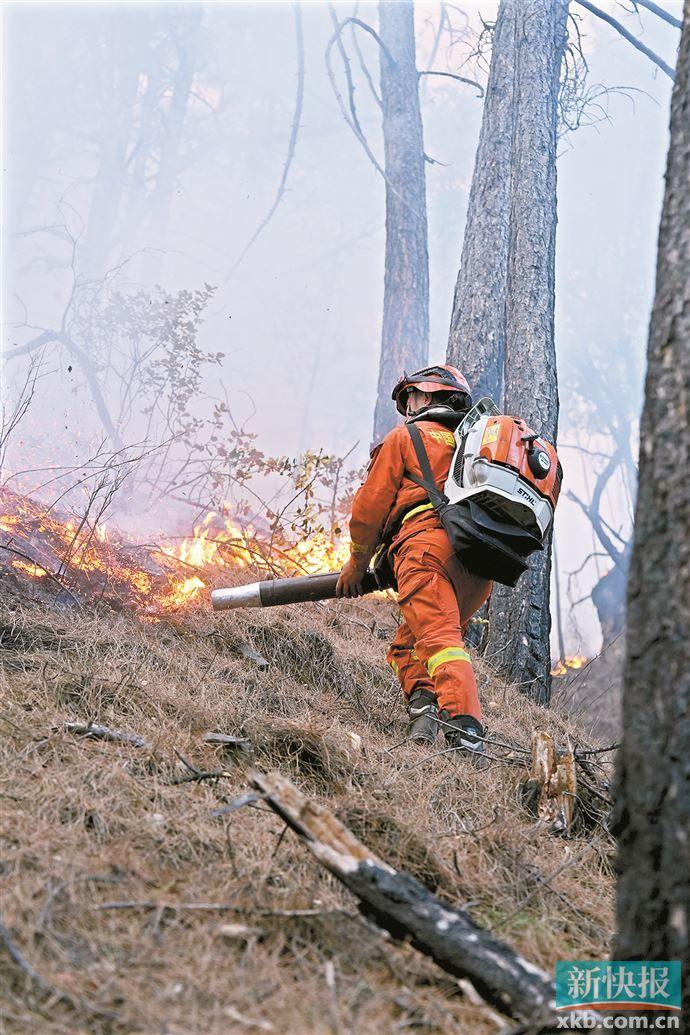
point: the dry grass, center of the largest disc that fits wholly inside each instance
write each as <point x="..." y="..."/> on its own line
<point x="89" y="823"/>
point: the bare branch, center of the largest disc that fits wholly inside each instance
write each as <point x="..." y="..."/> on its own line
<point x="62" y="338"/>
<point x="437" y="37"/>
<point x="350" y="116"/>
<point x="598" y="527"/>
<point x="655" y="9"/>
<point x="460" y="79"/>
<point x="9" y="421"/>
<point x="615" y="24"/>
<point x="362" y="63"/>
<point x="299" y="36"/>
<point x="588" y="558"/>
<point x="372" y="32"/>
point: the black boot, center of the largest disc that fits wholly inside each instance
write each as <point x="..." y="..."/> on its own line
<point x="423" y="712"/>
<point x="464" y="732"/>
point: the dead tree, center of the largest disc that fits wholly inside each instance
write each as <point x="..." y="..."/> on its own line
<point x="608" y="593"/>
<point x="405" y="328"/>
<point x="652" y="813"/>
<point x="608" y="468"/>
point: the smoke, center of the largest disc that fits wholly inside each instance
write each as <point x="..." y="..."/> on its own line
<point x="146" y="145"/>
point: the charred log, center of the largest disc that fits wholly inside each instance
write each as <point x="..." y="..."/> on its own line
<point x="399" y="904"/>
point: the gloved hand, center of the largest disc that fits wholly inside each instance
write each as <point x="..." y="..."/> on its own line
<point x="350" y="581"/>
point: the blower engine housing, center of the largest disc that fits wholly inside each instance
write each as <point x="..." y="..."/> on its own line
<point x="505" y="480"/>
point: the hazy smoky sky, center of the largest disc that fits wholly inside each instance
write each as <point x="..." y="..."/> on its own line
<point x="299" y="318"/>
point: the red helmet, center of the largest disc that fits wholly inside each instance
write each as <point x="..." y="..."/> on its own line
<point x="430" y="379"/>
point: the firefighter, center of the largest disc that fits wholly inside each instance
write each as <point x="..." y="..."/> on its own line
<point x="437" y="595"/>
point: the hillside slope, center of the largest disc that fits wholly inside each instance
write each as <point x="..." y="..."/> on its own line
<point x="129" y="907"/>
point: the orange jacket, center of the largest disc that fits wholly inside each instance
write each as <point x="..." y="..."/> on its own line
<point x="387" y="492"/>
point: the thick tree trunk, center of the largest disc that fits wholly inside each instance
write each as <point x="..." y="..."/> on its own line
<point x="652" y="813"/>
<point x="519" y="619"/>
<point x="476" y="343"/>
<point x="502" y="327"/>
<point x="405" y="331"/>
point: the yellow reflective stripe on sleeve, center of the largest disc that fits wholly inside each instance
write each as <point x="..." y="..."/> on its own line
<point x="359" y="548"/>
<point x="394" y="665"/>
<point x="417" y="510"/>
<point x="445" y="655"/>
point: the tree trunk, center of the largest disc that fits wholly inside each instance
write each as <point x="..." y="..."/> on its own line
<point x="502" y="327"/>
<point x="652" y="813"/>
<point x="476" y="343"/>
<point x="405" y="331"/>
<point x="520" y="617"/>
<point x="109" y="184"/>
<point x="148" y="114"/>
<point x="168" y="165"/>
<point x="608" y="596"/>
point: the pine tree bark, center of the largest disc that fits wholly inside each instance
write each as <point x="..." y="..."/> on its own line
<point x="519" y="618"/>
<point x="477" y="339"/>
<point x="502" y="327"/>
<point x="652" y="813"/>
<point x="405" y="330"/>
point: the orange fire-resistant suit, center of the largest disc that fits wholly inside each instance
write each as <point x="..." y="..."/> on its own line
<point x="436" y="593"/>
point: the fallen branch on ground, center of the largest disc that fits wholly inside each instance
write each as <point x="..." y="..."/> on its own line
<point x="241" y="744"/>
<point x="404" y="907"/>
<point x="220" y="907"/>
<point x="196" y="775"/>
<point x="88" y="729"/>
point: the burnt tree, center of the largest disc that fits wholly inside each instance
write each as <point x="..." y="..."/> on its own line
<point x="405" y="329"/>
<point x="502" y="327"/>
<point x="652" y="814"/>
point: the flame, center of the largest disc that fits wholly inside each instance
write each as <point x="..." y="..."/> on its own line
<point x="568" y="664"/>
<point x="152" y="582"/>
<point x="220" y="542"/>
<point x="34" y="570"/>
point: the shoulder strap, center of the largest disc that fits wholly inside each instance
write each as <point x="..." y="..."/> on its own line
<point x="427" y="481"/>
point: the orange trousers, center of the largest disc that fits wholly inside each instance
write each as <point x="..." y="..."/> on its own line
<point x="437" y="597"/>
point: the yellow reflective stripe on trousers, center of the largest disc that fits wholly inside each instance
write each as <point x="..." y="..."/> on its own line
<point x="447" y="654"/>
<point x="417" y="510"/>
